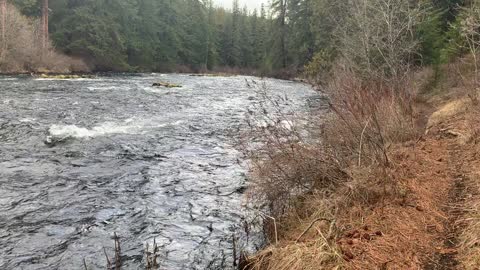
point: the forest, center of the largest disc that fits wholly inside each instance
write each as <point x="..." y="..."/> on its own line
<point x="194" y="35"/>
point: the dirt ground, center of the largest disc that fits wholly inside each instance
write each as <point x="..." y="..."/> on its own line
<point x="420" y="212"/>
<point x="420" y="229"/>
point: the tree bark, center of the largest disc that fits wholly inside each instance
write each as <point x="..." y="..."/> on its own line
<point x="283" y="17"/>
<point x="45" y="25"/>
<point x="3" y="10"/>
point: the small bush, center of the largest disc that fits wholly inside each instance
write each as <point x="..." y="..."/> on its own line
<point x="284" y="162"/>
<point x="369" y="116"/>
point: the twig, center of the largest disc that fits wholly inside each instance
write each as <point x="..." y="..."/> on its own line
<point x="155" y="255"/>
<point x="234" y="251"/>
<point x="109" y="264"/>
<point x="151" y="256"/>
<point x="85" y="264"/>
<point x="118" y="260"/>
<point x="147" y="257"/>
<point x="361" y="143"/>
<point x="311" y="225"/>
<point x="275" y="227"/>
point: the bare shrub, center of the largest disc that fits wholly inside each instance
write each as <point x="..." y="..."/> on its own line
<point x="371" y="90"/>
<point x="23" y="51"/>
<point x="369" y="116"/>
<point x="291" y="172"/>
<point x="469" y="29"/>
<point x="377" y="38"/>
<point x="284" y="162"/>
<point x="371" y="94"/>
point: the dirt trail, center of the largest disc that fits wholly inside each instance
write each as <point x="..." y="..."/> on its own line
<point x="445" y="257"/>
<point x="421" y="230"/>
<point x="451" y="128"/>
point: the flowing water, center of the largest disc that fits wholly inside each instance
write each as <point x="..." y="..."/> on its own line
<point x="81" y="159"/>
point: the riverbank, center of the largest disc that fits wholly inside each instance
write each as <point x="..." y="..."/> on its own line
<point x="289" y="76"/>
<point x="418" y="209"/>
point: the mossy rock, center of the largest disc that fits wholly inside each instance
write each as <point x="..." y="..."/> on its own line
<point x="66" y="76"/>
<point x="166" y="84"/>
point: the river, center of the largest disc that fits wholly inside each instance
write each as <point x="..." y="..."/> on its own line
<point x="81" y="159"/>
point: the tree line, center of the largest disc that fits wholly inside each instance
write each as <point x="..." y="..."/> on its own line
<point x="197" y="35"/>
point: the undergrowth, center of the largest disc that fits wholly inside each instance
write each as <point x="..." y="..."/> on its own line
<point x="307" y="185"/>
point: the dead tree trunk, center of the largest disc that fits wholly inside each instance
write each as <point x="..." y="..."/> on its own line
<point x="45" y="25"/>
<point x="3" y="10"/>
<point x="283" y="24"/>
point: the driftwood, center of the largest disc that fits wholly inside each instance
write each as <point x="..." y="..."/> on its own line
<point x="166" y="84"/>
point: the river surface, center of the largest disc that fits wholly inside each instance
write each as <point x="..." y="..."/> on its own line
<point x="82" y="159"/>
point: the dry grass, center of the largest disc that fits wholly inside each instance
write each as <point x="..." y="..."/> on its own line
<point x="308" y="234"/>
<point x="313" y="255"/>
<point x="363" y="221"/>
<point x="401" y="228"/>
<point x="470" y="242"/>
<point x="470" y="222"/>
<point x="318" y="191"/>
<point x="448" y="111"/>
<point x="385" y="206"/>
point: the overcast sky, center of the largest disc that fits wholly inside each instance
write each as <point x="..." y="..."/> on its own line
<point x="251" y="4"/>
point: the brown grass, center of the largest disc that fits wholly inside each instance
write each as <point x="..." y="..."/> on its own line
<point x="368" y="117"/>
<point x="367" y="226"/>
<point x="470" y="242"/>
<point x="470" y="221"/>
<point x="307" y="232"/>
<point x="318" y="191"/>
<point x="388" y="205"/>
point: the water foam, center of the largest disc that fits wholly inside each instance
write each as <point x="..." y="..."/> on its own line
<point x="63" y="131"/>
<point x="27" y="120"/>
<point x="64" y="79"/>
<point x="130" y="126"/>
<point x="102" y="88"/>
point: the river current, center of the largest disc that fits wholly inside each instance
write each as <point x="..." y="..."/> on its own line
<point x="82" y="159"/>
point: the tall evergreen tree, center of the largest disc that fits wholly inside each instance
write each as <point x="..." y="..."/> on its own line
<point x="280" y="32"/>
<point x="143" y="35"/>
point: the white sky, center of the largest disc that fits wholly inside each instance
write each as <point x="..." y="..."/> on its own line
<point x="251" y="4"/>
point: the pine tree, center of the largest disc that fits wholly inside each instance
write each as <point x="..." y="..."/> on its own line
<point x="235" y="57"/>
<point x="302" y="41"/>
<point x="279" y="8"/>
